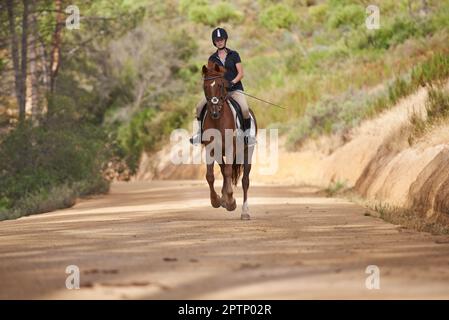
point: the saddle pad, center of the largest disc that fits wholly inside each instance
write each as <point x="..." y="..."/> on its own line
<point x="237" y="118"/>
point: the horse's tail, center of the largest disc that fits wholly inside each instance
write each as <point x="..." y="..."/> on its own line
<point x="236" y="172"/>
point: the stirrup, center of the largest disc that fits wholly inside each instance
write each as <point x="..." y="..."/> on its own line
<point x="196" y="139"/>
<point x="250" y="140"/>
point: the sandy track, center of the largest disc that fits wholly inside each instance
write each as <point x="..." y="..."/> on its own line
<point x="162" y="240"/>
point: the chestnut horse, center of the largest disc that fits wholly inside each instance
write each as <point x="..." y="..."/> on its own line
<point x="220" y="119"/>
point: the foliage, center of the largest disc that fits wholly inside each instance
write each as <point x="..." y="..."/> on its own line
<point x="437" y="105"/>
<point x="277" y="16"/>
<point x="335" y="114"/>
<point x="202" y="12"/>
<point x="347" y="16"/>
<point x="60" y="152"/>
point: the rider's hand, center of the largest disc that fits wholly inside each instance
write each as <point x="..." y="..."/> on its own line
<point x="230" y="85"/>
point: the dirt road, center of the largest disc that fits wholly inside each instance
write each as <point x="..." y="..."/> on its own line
<point x="162" y="240"/>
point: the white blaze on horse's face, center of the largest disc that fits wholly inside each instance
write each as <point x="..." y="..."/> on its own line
<point x="212" y="84"/>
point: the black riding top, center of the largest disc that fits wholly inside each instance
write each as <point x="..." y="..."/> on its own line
<point x="232" y="58"/>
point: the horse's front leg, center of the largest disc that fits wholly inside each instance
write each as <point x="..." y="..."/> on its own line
<point x="214" y="198"/>
<point x="245" y="185"/>
<point x="227" y="198"/>
<point x="245" y="182"/>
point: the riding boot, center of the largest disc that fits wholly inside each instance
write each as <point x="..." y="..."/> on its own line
<point x="248" y="138"/>
<point x="196" y="139"/>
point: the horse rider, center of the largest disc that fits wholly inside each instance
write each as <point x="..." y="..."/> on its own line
<point x="230" y="59"/>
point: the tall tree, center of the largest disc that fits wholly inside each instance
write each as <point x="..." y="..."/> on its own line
<point x="19" y="58"/>
<point x="14" y="50"/>
<point x="24" y="61"/>
<point x="33" y="85"/>
<point x="55" y="57"/>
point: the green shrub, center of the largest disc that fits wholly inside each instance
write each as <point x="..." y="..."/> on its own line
<point x="348" y="16"/>
<point x="211" y="15"/>
<point x="135" y="136"/>
<point x="186" y="5"/>
<point x="319" y="12"/>
<point x="437" y="110"/>
<point x="47" y="200"/>
<point x="35" y="161"/>
<point x="398" y="89"/>
<point x="335" y="188"/>
<point x="435" y="69"/>
<point x="294" y="61"/>
<point x="184" y="43"/>
<point x="224" y="12"/>
<point x="202" y="14"/>
<point x="437" y="104"/>
<point x="393" y="33"/>
<point x="440" y="20"/>
<point x="278" y="16"/>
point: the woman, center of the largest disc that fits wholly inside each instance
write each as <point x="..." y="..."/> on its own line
<point x="229" y="59"/>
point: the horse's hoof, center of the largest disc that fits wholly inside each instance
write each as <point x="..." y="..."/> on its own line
<point x="222" y="203"/>
<point x="216" y="203"/>
<point x="232" y="206"/>
<point x="245" y="216"/>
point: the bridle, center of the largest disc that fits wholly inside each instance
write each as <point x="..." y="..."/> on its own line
<point x="215" y="101"/>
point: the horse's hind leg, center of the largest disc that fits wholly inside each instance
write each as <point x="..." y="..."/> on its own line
<point x="214" y="198"/>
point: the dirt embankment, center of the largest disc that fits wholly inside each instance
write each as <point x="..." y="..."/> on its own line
<point x="377" y="160"/>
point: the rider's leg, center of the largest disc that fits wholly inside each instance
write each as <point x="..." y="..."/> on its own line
<point x="200" y="106"/>
<point x="196" y="139"/>
<point x="241" y="100"/>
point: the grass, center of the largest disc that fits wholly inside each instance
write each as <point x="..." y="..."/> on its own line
<point x="437" y="111"/>
<point x="60" y="197"/>
<point x="335" y="188"/>
<point x="339" y="113"/>
<point x="404" y="217"/>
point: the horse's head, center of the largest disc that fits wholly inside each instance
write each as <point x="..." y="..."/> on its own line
<point x="215" y="89"/>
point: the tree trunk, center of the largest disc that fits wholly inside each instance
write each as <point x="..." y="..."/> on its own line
<point x="15" y="52"/>
<point x="55" y="57"/>
<point x="33" y="75"/>
<point x="24" y="62"/>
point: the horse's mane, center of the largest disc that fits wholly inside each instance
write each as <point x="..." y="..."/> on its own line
<point x="213" y="69"/>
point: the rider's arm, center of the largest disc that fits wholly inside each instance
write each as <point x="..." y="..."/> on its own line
<point x="240" y="73"/>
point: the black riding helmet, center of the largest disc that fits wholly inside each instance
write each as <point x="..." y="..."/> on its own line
<point x="219" y="33"/>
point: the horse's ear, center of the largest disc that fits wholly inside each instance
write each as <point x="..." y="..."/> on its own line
<point x="217" y="68"/>
<point x="204" y="70"/>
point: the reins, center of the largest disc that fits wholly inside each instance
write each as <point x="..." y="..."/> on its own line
<point x="227" y="94"/>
